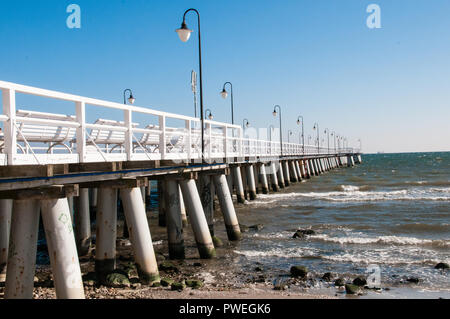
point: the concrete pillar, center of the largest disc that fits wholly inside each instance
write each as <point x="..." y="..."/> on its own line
<point x="293" y="172"/>
<point x="105" y="245"/>
<point x="93" y="198"/>
<point x="230" y="183"/>
<point x="238" y="184"/>
<point x="140" y="236"/>
<point x="174" y="220"/>
<point x="198" y="220"/>
<point x="143" y="192"/>
<point x="287" y="176"/>
<point x="311" y="167"/>
<point x="5" y="226"/>
<point x="82" y="222"/>
<point x="226" y="205"/>
<point x="70" y="200"/>
<point x="298" y="170"/>
<point x="62" y="249"/>
<point x="305" y="169"/>
<point x="280" y="175"/>
<point x="263" y="179"/>
<point x="251" y="182"/>
<point x="273" y="177"/>
<point x="182" y="208"/>
<point x="22" y="250"/>
<point x="257" y="179"/>
<point x="245" y="181"/>
<point x="206" y="191"/>
<point x="161" y="205"/>
<point x="316" y="167"/>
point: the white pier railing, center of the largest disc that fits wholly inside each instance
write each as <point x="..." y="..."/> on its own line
<point x="34" y="137"/>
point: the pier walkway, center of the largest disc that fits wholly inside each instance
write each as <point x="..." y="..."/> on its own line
<point x="92" y="153"/>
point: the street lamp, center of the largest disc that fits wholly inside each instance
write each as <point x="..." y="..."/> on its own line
<point x="303" y="131"/>
<point x="209" y="114"/>
<point x="245" y="124"/>
<point x="131" y="99"/>
<point x="224" y="94"/>
<point x="333" y="134"/>
<point x="316" y="127"/>
<point x="281" y="130"/>
<point x="327" y="131"/>
<point x="185" y="33"/>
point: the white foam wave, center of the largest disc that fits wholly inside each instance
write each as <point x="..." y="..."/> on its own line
<point x="351" y="193"/>
<point x="384" y="240"/>
<point x="281" y="252"/>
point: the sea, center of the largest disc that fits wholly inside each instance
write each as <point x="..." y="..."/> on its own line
<point x="387" y="219"/>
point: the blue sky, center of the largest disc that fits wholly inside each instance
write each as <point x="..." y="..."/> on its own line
<point x="389" y="86"/>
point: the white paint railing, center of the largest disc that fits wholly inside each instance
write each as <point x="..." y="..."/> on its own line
<point x="31" y="137"/>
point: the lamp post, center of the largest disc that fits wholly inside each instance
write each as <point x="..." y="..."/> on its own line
<point x="333" y="134"/>
<point x="209" y="114"/>
<point x="309" y="139"/>
<point x="245" y="124"/>
<point x="289" y="134"/>
<point x="194" y="90"/>
<point x="224" y="94"/>
<point x="316" y="127"/>
<point x="281" y="129"/>
<point x="184" y="33"/>
<point x="131" y="99"/>
<point x="327" y="131"/>
<point x="303" y="131"/>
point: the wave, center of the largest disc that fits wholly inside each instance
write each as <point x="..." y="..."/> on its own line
<point x="383" y="240"/>
<point x="298" y="252"/>
<point x="392" y="260"/>
<point x="351" y="193"/>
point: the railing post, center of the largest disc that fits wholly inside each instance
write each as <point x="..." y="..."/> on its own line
<point x="9" y="109"/>
<point x="225" y="142"/>
<point x="209" y="134"/>
<point x="80" y="112"/>
<point x="162" y="137"/>
<point x="189" y="139"/>
<point x="129" y="134"/>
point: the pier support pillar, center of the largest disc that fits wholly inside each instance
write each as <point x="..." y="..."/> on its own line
<point x="105" y="246"/>
<point x="93" y="199"/>
<point x="62" y="248"/>
<point x="197" y="219"/>
<point x="273" y="177"/>
<point x="287" y="176"/>
<point x="22" y="250"/>
<point x="299" y="171"/>
<point x="230" y="183"/>
<point x="5" y="226"/>
<point x="238" y="184"/>
<point x="251" y="182"/>
<point x="161" y="205"/>
<point x="226" y="204"/>
<point x="206" y="189"/>
<point x="293" y="172"/>
<point x="311" y="167"/>
<point x="182" y="207"/>
<point x="174" y="220"/>
<point x="280" y="175"/>
<point x="82" y="222"/>
<point x="140" y="236"/>
<point x="263" y="178"/>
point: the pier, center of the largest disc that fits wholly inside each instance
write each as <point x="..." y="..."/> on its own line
<point x="60" y="166"/>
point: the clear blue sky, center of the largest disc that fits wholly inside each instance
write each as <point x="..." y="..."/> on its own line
<point x="389" y="86"/>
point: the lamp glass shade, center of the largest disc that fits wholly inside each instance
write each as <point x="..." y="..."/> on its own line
<point x="131" y="100"/>
<point x="210" y="116"/>
<point x="274" y="113"/>
<point x="184" y="34"/>
<point x="224" y="94"/>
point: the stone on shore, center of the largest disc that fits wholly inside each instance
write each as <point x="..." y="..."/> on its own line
<point x="257" y="227"/>
<point x="168" y="267"/>
<point x="166" y="282"/>
<point x="178" y="286"/>
<point x="194" y="283"/>
<point x="299" y="271"/>
<point x="352" y="289"/>
<point x="117" y="280"/>
<point x="217" y="242"/>
<point x="339" y="282"/>
<point x="360" y="281"/>
<point x="442" y="266"/>
<point x="303" y="233"/>
<point x="327" y="276"/>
